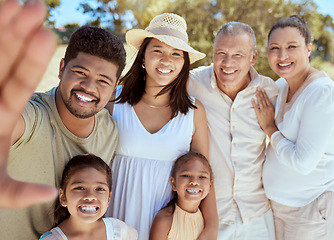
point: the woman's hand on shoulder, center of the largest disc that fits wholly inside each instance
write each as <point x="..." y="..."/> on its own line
<point x="265" y="112"/>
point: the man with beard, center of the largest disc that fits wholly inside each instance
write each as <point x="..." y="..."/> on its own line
<point x="66" y="121"/>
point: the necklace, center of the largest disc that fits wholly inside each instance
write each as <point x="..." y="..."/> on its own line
<point x="154" y="106"/>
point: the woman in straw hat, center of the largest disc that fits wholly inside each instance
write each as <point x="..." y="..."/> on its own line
<point x="158" y="122"/>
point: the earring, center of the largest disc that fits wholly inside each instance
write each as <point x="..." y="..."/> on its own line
<point x="143" y="65"/>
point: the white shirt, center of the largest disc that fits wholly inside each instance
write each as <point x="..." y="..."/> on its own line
<point x="115" y="230"/>
<point x="237" y="144"/>
<point x="300" y="158"/>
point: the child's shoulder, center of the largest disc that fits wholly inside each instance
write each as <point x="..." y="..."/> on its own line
<point x="53" y="234"/>
<point x="166" y="212"/>
<point x="162" y="222"/>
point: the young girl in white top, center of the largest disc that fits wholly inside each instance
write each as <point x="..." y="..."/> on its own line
<point x="298" y="172"/>
<point x="84" y="196"/>
<point x="191" y="180"/>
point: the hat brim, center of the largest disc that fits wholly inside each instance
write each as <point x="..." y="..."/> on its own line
<point x="135" y="37"/>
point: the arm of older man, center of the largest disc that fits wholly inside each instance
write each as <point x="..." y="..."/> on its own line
<point x="25" y="50"/>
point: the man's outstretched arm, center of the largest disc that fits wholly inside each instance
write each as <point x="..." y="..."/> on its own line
<point x="25" y="51"/>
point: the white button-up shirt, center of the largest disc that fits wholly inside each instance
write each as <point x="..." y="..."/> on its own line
<point x="237" y="144"/>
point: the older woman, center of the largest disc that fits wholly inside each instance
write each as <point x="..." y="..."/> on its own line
<point x="298" y="174"/>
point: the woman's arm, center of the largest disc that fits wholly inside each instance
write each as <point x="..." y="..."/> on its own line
<point x="315" y="132"/>
<point x="200" y="143"/>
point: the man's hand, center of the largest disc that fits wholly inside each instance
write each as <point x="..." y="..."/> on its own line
<point x="25" y="51"/>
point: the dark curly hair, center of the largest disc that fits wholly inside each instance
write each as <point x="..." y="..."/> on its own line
<point x="97" y="42"/>
<point x="76" y="164"/>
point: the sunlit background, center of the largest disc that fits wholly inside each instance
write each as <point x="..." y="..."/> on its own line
<point x="204" y="18"/>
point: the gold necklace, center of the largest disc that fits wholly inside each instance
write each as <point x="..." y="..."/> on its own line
<point x="153" y="106"/>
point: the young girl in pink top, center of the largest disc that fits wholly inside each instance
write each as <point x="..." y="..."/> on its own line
<point x="191" y="180"/>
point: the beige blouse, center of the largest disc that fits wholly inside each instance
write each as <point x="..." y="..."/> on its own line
<point x="186" y="226"/>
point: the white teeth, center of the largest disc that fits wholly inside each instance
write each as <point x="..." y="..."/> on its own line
<point x="228" y="72"/>
<point x="164" y="70"/>
<point x="84" y="98"/>
<point x="193" y="191"/>
<point x="284" y="64"/>
<point x="89" y="208"/>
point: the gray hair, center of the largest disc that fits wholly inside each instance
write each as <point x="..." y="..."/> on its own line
<point x="236" y="28"/>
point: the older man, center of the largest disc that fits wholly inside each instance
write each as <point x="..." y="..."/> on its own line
<point x="237" y="143"/>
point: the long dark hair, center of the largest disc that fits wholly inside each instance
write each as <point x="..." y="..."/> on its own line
<point x="76" y="164"/>
<point x="134" y="84"/>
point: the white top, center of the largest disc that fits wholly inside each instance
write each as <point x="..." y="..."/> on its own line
<point x="300" y="158"/>
<point x="115" y="229"/>
<point x="237" y="144"/>
<point x="142" y="165"/>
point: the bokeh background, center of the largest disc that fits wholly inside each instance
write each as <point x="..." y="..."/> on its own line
<point x="204" y="18"/>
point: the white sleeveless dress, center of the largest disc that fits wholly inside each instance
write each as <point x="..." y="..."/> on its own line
<point x="142" y="165"/>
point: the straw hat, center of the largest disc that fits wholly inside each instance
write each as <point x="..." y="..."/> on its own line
<point x="168" y="28"/>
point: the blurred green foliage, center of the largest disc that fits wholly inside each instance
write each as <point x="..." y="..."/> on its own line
<point x="205" y="17"/>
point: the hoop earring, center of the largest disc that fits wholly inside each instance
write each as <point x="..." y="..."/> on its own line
<point x="143" y="65"/>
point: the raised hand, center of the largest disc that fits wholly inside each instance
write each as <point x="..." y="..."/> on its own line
<point x="265" y="112"/>
<point x="25" y="50"/>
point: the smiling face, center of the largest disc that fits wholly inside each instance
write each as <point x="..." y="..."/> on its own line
<point x="288" y="54"/>
<point x="163" y="63"/>
<point x="86" y="195"/>
<point x="232" y="58"/>
<point x="86" y="84"/>
<point x="192" y="182"/>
